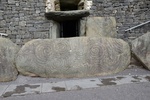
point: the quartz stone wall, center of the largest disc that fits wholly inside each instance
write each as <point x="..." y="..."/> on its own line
<point x="24" y="20"/>
<point x="128" y="13"/>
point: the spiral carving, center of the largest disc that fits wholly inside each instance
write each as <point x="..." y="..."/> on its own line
<point x="42" y="53"/>
<point x="73" y="57"/>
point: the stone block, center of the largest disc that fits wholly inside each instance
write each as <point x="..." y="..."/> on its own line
<point x="11" y="1"/>
<point x="82" y="28"/>
<point x="22" y="23"/>
<point x="2" y="23"/>
<point x="73" y="57"/>
<point x="141" y="50"/>
<point x="8" y="51"/>
<point x="101" y="27"/>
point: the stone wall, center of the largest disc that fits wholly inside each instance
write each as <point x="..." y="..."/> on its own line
<point x="128" y="13"/>
<point x="24" y="20"/>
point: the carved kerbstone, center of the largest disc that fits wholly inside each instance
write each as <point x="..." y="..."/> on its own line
<point x="73" y="57"/>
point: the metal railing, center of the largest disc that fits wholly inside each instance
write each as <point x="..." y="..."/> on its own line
<point x="137" y="26"/>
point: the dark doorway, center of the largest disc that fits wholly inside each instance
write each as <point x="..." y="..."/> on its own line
<point x="69" y="29"/>
<point x="68" y="7"/>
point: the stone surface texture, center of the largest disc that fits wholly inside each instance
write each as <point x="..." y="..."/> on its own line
<point x="82" y="29"/>
<point x="73" y="57"/>
<point x="141" y="49"/>
<point x="50" y="5"/>
<point x="66" y="15"/>
<point x="88" y="4"/>
<point x="8" y="51"/>
<point x="128" y="13"/>
<point x="101" y="27"/>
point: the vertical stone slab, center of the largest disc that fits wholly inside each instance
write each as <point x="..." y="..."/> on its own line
<point x="101" y="27"/>
<point x="55" y="30"/>
<point x="82" y="26"/>
<point x="8" y="51"/>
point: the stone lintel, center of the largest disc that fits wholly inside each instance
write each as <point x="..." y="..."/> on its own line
<point x="66" y="15"/>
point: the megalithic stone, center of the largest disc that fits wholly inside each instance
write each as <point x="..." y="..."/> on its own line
<point x="73" y="57"/>
<point x="101" y="27"/>
<point x="8" y="51"/>
<point x="141" y="50"/>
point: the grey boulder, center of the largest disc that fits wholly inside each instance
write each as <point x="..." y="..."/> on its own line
<point x="141" y="50"/>
<point x="8" y="51"/>
<point x="73" y="57"/>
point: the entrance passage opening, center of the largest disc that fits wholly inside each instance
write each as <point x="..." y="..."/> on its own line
<point x="68" y="7"/>
<point x="69" y="29"/>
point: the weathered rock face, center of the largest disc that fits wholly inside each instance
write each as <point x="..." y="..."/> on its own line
<point x="141" y="49"/>
<point x="8" y="51"/>
<point x="101" y="27"/>
<point x="66" y="15"/>
<point x="73" y="57"/>
<point x="82" y="28"/>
